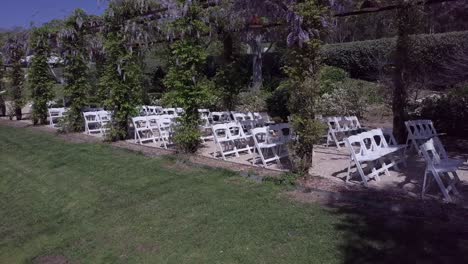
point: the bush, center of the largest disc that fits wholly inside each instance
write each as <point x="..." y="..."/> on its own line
<point x="277" y="102"/>
<point x="449" y="112"/>
<point x="329" y="76"/>
<point x="187" y="136"/>
<point x="252" y="101"/>
<point x="349" y="97"/>
<point x="364" y="59"/>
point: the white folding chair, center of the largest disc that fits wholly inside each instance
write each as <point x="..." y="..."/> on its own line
<point x="241" y="140"/>
<point x="221" y="117"/>
<point x="92" y="123"/>
<point x="365" y="150"/>
<point x="105" y="118"/>
<point x="165" y="129"/>
<point x="225" y="146"/>
<point x="169" y="111"/>
<point x="143" y="132"/>
<point x="55" y="114"/>
<point x="440" y="166"/>
<point x="419" y="131"/>
<point x="206" y="128"/>
<point x="265" y="151"/>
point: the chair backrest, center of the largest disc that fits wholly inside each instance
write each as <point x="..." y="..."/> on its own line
<point x="260" y="135"/>
<point x="420" y="129"/>
<point x="169" y="111"/>
<point x="91" y="117"/>
<point x="104" y="115"/>
<point x="152" y="121"/>
<point x="353" y="122"/>
<point x="430" y="152"/>
<point x="56" y="112"/>
<point x="235" y="130"/>
<point x="220" y="132"/>
<point x="239" y="117"/>
<point x="221" y="117"/>
<point x="365" y="144"/>
<point x="204" y="113"/>
<point x="154" y="110"/>
<point x="140" y="122"/>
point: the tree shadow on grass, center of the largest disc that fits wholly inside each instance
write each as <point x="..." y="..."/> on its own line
<point x="413" y="231"/>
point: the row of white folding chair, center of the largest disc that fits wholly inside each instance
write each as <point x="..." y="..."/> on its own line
<point x="372" y="148"/>
<point x="173" y="111"/>
<point x="419" y="131"/>
<point x="230" y="139"/>
<point x="248" y="125"/>
<point x="55" y="114"/>
<point x="97" y="122"/>
<point x="152" y="110"/>
<point x="154" y="128"/>
<point x="221" y="117"/>
<point x="439" y="165"/>
<point x="341" y="125"/>
<point x="271" y="143"/>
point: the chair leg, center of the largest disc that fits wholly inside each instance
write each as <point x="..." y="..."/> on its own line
<point x="424" y="184"/>
<point x="361" y="172"/>
<point x="442" y="186"/>
<point x="349" y="171"/>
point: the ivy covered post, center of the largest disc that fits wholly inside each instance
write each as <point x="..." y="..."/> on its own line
<point x="40" y="79"/>
<point x="302" y="68"/>
<point x="188" y="85"/>
<point x="2" y="101"/>
<point x="15" y="47"/>
<point x="121" y="79"/>
<point x="76" y="71"/>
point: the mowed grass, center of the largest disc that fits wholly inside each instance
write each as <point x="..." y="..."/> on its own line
<point x="95" y="204"/>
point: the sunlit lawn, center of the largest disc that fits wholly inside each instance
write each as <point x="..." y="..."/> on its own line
<point x="95" y="204"/>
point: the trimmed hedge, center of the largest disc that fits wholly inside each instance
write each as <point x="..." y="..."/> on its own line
<point x="428" y="54"/>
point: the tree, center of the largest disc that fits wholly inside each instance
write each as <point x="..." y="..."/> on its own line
<point x="15" y="47"/>
<point x="185" y="79"/>
<point x="303" y="68"/>
<point x="127" y="33"/>
<point x="73" y="45"/>
<point x="39" y="77"/>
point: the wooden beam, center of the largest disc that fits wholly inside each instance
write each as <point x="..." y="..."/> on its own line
<point x="386" y="8"/>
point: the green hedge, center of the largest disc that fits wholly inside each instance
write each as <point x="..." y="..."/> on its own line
<point x="364" y="59"/>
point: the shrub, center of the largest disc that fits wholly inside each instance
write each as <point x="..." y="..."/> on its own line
<point x="253" y="101"/>
<point x="349" y="97"/>
<point x="449" y="112"/>
<point x="187" y="136"/>
<point x="329" y="76"/>
<point x="277" y="102"/>
<point x="364" y="59"/>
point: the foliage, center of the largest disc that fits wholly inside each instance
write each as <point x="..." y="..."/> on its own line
<point x="231" y="80"/>
<point x="277" y="102"/>
<point x="15" y="49"/>
<point x="252" y="101"/>
<point x="329" y="76"/>
<point x="303" y="67"/>
<point x="188" y="85"/>
<point x="286" y="179"/>
<point x="120" y="84"/>
<point x="39" y="77"/>
<point x="368" y="59"/>
<point x="449" y="112"/>
<point x="2" y="100"/>
<point x="349" y="97"/>
<point x="76" y="69"/>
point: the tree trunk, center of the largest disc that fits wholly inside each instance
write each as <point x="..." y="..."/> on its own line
<point x="400" y="93"/>
<point x="257" y="78"/>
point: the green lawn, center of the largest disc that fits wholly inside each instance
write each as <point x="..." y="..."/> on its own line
<point x="95" y="204"/>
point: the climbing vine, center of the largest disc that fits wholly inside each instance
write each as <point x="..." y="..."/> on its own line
<point x="188" y="85"/>
<point x="76" y="69"/>
<point x="15" y="48"/>
<point x="302" y="68"/>
<point x="40" y="79"/>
